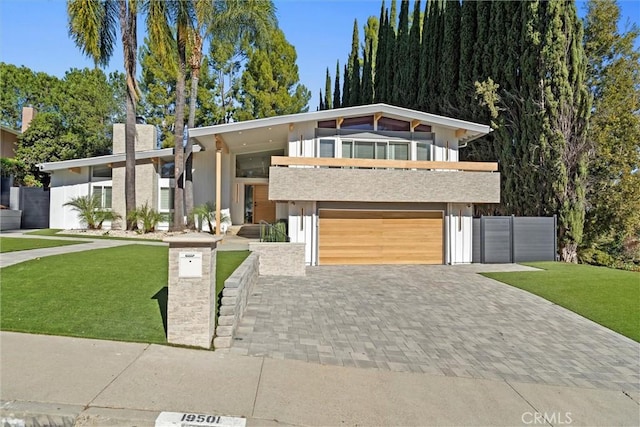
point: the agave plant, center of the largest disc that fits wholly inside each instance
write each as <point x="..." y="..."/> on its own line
<point x="91" y="212"/>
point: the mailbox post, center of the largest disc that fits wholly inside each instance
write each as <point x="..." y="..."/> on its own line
<point x="191" y="305"/>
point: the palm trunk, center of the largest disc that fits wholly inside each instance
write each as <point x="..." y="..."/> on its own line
<point x="196" y="59"/>
<point x="178" y="208"/>
<point x="129" y="47"/>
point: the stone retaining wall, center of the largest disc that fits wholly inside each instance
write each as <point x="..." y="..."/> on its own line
<point x="235" y="295"/>
<point x="280" y="259"/>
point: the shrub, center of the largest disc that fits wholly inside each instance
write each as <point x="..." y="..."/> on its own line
<point x="275" y="233"/>
<point x="596" y="257"/>
<point x="91" y="212"/>
<point x="207" y="212"/>
<point x="146" y="218"/>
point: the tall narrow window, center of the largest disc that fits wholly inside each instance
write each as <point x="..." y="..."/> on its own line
<point x="166" y="198"/>
<point x="103" y="194"/>
<point x="327" y="148"/>
<point x="347" y="149"/>
<point x="423" y="151"/>
<point x="398" y="151"/>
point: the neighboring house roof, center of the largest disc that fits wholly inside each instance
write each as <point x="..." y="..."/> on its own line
<point x="278" y="125"/>
<point x="11" y="131"/>
<point x="105" y="160"/>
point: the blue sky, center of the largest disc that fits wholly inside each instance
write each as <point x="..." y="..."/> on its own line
<point x="34" y="33"/>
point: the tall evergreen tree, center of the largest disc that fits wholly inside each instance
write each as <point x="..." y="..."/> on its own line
<point x="355" y="97"/>
<point x="371" y="31"/>
<point x="402" y="84"/>
<point x="450" y="63"/>
<point x="390" y="59"/>
<point x="346" y="84"/>
<point x="336" y="87"/>
<point x="328" y="101"/>
<point x="426" y="62"/>
<point x="413" y="62"/>
<point x="466" y="97"/>
<point x="380" y="72"/>
<point x="393" y="17"/>
<point x="321" y="105"/>
<point x="367" y="77"/>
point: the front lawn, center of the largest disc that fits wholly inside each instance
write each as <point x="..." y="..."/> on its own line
<point x="12" y="244"/>
<point x="115" y="293"/>
<point x="607" y="296"/>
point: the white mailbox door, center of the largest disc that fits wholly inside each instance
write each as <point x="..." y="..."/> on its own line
<point x="190" y="264"/>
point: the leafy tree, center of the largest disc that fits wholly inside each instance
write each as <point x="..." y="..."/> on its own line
<point x="371" y="30"/>
<point x="613" y="218"/>
<point x="270" y="82"/>
<point x="92" y="26"/>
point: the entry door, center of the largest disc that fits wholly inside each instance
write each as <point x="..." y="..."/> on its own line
<point x="263" y="208"/>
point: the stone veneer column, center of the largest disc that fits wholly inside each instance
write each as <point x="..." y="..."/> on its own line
<point x="191" y="306"/>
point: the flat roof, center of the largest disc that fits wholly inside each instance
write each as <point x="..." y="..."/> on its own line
<point x="105" y="160"/>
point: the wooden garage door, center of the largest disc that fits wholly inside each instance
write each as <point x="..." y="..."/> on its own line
<point x="380" y="237"/>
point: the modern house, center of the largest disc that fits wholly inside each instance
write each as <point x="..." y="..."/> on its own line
<point x="370" y="184"/>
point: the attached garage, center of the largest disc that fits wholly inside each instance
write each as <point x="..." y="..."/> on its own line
<point x="380" y="237"/>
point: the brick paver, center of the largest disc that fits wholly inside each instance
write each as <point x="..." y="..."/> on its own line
<point x="443" y="320"/>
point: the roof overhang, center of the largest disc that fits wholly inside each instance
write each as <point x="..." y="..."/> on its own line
<point x="272" y="133"/>
<point x="11" y="131"/>
<point x="165" y="153"/>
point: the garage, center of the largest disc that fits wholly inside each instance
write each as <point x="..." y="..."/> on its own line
<point x="380" y="237"/>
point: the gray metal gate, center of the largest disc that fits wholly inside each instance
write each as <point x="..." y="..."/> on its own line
<point x="34" y="203"/>
<point x="507" y="239"/>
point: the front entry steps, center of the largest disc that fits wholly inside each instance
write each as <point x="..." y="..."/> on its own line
<point x="249" y="231"/>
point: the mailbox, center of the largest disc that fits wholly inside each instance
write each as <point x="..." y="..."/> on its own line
<point x="190" y="264"/>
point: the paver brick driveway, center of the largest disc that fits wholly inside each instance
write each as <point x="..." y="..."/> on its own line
<point x="443" y="320"/>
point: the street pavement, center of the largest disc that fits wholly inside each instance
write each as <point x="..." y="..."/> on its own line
<point x="62" y="381"/>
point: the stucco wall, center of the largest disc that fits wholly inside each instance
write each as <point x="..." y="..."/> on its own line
<point x="381" y="185"/>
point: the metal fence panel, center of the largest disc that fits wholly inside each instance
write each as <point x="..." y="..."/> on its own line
<point x="476" y="254"/>
<point x="34" y="203"/>
<point x="534" y="239"/>
<point x="496" y="239"/>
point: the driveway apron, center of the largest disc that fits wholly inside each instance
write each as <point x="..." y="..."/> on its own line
<point x="442" y="320"/>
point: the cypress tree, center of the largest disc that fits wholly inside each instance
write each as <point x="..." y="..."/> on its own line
<point x="367" y="74"/>
<point x="354" y="64"/>
<point x="336" y="87"/>
<point x="393" y="17"/>
<point x="425" y="59"/>
<point x="390" y="58"/>
<point x="321" y="106"/>
<point x="450" y="54"/>
<point x="414" y="56"/>
<point x="380" y="73"/>
<point x="466" y="89"/>
<point x="327" y="92"/>
<point x="345" y="88"/>
<point x="402" y="73"/>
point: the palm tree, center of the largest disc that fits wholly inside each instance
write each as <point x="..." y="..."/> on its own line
<point x="92" y="26"/>
<point x="230" y="20"/>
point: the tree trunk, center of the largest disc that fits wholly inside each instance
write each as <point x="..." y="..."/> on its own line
<point x="569" y="252"/>
<point x="129" y="48"/>
<point x="178" y="207"/>
<point x="195" y="61"/>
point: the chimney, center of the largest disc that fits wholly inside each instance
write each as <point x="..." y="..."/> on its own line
<point x="28" y="114"/>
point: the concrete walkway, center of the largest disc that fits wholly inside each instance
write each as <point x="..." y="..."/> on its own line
<point x="440" y="320"/>
<point x="61" y="381"/>
<point x="11" y="258"/>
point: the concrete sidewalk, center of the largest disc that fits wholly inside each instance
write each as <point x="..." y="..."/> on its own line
<point x="62" y="381"/>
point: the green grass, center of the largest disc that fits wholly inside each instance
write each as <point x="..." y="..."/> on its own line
<point x="56" y="232"/>
<point x="226" y="263"/>
<point x="12" y="244"/>
<point x="607" y="296"/>
<point x="116" y="293"/>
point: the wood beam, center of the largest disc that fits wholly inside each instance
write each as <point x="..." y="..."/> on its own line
<point x="221" y="145"/>
<point x="380" y="163"/>
<point x="376" y="117"/>
<point x="155" y="160"/>
<point x="74" y="170"/>
<point x="414" y="125"/>
<point x="339" y="121"/>
<point x="218" y="189"/>
<point x="460" y="133"/>
<point x="291" y="126"/>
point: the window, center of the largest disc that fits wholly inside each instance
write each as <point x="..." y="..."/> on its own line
<point x="422" y="128"/>
<point x="327" y="148"/>
<point x="103" y="194"/>
<point x="167" y="170"/>
<point x="166" y="198"/>
<point x="385" y="123"/>
<point x="255" y="165"/>
<point x="423" y="151"/>
<point x="101" y="172"/>
<point x="398" y="151"/>
<point x="358" y="123"/>
<point x="327" y="124"/>
<point x="375" y="150"/>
